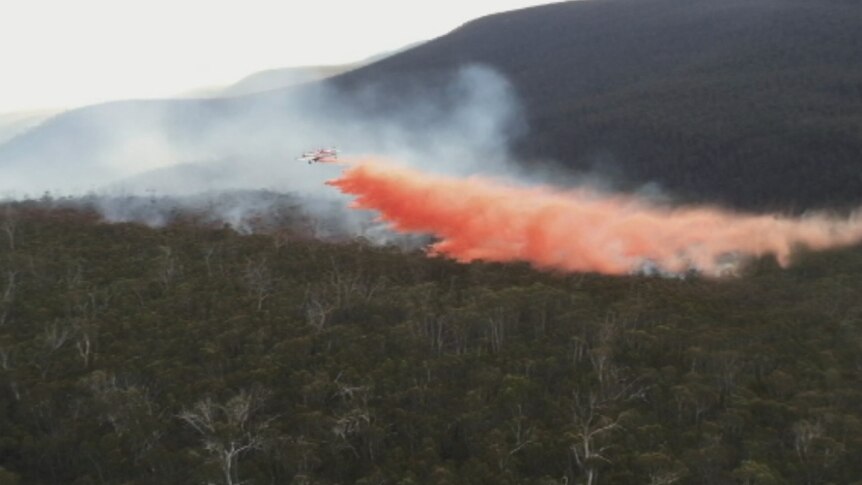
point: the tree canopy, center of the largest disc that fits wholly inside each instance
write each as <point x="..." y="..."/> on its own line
<point x="195" y="354"/>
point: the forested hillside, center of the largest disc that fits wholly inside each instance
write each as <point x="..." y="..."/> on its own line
<point x="195" y="354"/>
<point x="751" y="103"/>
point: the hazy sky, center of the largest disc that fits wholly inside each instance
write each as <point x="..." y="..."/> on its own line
<point x="64" y="53"/>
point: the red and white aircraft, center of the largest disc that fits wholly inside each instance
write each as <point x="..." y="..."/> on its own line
<point x="321" y="155"/>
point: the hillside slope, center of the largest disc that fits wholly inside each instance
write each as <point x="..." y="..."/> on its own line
<point x="755" y="103"/>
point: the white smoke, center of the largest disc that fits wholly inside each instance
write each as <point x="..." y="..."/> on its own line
<point x="184" y="151"/>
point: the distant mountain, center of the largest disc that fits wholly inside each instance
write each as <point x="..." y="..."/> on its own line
<point x="74" y="150"/>
<point x="285" y="77"/>
<point x="282" y="78"/>
<point x="751" y="103"/>
<point x="15" y="123"/>
<point x="754" y="103"/>
<point x="269" y="80"/>
<point x="250" y="129"/>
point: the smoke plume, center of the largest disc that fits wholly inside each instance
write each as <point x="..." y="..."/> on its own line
<point x="478" y="218"/>
<point x="147" y="160"/>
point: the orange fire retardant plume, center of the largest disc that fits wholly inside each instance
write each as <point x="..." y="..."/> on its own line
<point x="576" y="230"/>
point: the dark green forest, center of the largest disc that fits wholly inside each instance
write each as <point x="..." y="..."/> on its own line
<point x="193" y="353"/>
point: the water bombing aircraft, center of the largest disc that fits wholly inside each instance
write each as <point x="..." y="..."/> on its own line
<point x="321" y="155"/>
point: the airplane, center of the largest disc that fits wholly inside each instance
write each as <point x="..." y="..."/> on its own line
<point x="321" y="155"/>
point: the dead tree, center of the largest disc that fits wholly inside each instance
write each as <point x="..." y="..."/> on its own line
<point x="7" y="296"/>
<point x="258" y="280"/>
<point x="230" y="430"/>
<point x="318" y="309"/>
<point x="596" y="416"/>
<point x="591" y="428"/>
<point x="167" y="269"/>
<point x="8" y="226"/>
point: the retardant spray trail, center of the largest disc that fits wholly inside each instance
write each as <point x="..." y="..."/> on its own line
<point x="575" y="230"/>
